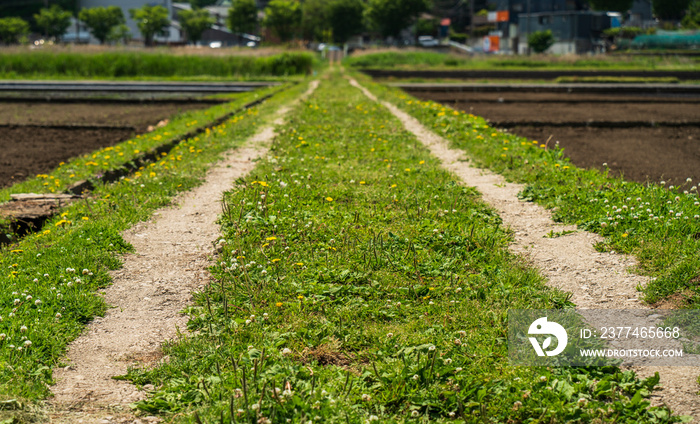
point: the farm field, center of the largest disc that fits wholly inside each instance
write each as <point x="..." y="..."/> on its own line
<point x="354" y="280"/>
<point x="36" y="137"/>
<point x="643" y="137"/>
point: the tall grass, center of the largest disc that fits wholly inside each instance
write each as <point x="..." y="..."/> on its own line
<point x="146" y="64"/>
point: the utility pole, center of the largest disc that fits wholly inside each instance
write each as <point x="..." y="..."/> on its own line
<point x="471" y="19"/>
<point x="527" y="28"/>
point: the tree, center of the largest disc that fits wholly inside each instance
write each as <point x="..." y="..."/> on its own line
<point x="621" y="6"/>
<point x="195" y="22"/>
<point x="670" y="10"/>
<point x="119" y="33"/>
<point x="315" y="20"/>
<point x="12" y="29"/>
<point x="691" y="20"/>
<point x="390" y="17"/>
<point x="283" y="18"/>
<point x="151" y="20"/>
<point x="243" y="16"/>
<point x="102" y="20"/>
<point x="197" y="4"/>
<point x="540" y="41"/>
<point x="346" y="19"/>
<point x="26" y="9"/>
<point x="54" y="21"/>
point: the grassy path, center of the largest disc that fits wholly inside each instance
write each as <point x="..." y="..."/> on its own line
<point x="149" y="291"/>
<point x="563" y="254"/>
<point x="362" y="282"/>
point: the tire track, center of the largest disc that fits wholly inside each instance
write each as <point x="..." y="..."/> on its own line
<point x="171" y="260"/>
<point x="570" y="263"/>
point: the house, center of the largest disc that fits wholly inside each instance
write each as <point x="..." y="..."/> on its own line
<point x="576" y="28"/>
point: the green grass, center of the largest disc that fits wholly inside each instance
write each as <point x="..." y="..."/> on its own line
<point x="431" y="60"/>
<point x="51" y="278"/>
<point x="123" y="64"/>
<point x="658" y="223"/>
<point x="360" y="282"/>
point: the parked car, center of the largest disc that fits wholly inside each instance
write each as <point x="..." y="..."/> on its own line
<point x="427" y="41"/>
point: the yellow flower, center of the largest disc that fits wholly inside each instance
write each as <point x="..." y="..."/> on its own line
<point x="421" y="162"/>
<point x="625" y="235"/>
<point x="393" y="185"/>
<point x="278" y="304"/>
<point x="17" y="251"/>
<point x="275" y="260"/>
<point x="300" y="297"/>
<point x="407" y="169"/>
<point x="329" y="199"/>
<point x="271" y="238"/>
<point x="299" y="264"/>
<point x="85" y="218"/>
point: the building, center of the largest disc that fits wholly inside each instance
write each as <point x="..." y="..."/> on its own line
<point x="576" y="28"/>
<point x="172" y="33"/>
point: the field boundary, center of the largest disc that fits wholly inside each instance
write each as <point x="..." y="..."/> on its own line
<point x="525" y="74"/>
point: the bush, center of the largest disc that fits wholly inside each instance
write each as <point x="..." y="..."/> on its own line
<point x="131" y="64"/>
<point x="540" y="41"/>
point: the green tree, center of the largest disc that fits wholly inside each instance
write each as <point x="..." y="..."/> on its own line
<point x="195" y="22"/>
<point x="691" y="20"/>
<point x="390" y="17"/>
<point x="26" y="9"/>
<point x="120" y="33"/>
<point x="670" y="10"/>
<point x="151" y="20"/>
<point x="283" y="18"/>
<point x="102" y="20"/>
<point x="346" y="19"/>
<point x="243" y="16"/>
<point x="540" y="41"/>
<point x="12" y="29"/>
<point x="611" y="5"/>
<point x="54" y="21"/>
<point x="196" y="4"/>
<point x="315" y="20"/>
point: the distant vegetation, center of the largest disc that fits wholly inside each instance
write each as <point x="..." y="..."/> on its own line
<point x="142" y="64"/>
<point x="433" y="60"/>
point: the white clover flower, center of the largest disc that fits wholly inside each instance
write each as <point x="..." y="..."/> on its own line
<point x="582" y="402"/>
<point x="3" y="336"/>
<point x="255" y="407"/>
<point x="415" y="377"/>
<point x="286" y="351"/>
<point x="366" y="397"/>
<point x="27" y="343"/>
<point x="86" y="271"/>
<point x="414" y="413"/>
<point x="517" y="405"/>
<point x="58" y="315"/>
<point x="37" y="302"/>
<point x="458" y="342"/>
<point x="17" y="302"/>
<point x="23" y="329"/>
<point x="431" y="348"/>
<point x="543" y="378"/>
<point x="462" y="333"/>
<point x="247" y="322"/>
<point x="448" y="361"/>
<point x="373" y="418"/>
<point x="390" y="334"/>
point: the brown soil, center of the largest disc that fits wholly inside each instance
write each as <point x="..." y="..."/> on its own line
<point x="139" y="116"/>
<point x="27" y="151"/>
<point x="639" y="154"/>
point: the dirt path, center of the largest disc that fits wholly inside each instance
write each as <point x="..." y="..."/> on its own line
<point x="596" y="280"/>
<point x="170" y="261"/>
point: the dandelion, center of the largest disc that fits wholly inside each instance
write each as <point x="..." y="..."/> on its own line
<point x="329" y="199"/>
<point x="278" y="304"/>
